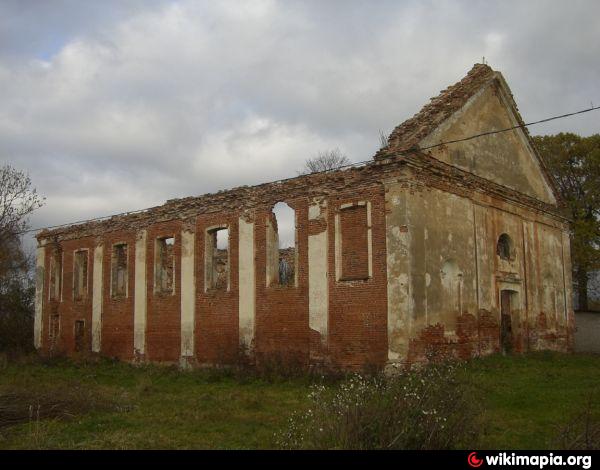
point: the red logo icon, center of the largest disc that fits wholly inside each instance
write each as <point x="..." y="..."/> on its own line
<point x="473" y="460"/>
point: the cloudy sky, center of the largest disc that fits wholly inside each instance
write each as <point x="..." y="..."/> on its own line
<point x="116" y="106"/>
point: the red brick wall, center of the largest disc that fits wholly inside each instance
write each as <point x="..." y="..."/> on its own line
<point x="355" y="259"/>
<point x="357" y="322"/>
<point x="476" y="335"/>
<point x="163" y="321"/>
<point x="216" y="326"/>
<point x="69" y="310"/>
<point x="282" y="331"/>
<point x="117" y="313"/>
<point x="358" y="309"/>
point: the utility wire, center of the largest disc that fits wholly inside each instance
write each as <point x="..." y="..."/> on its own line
<point x="354" y="164"/>
<point x="518" y="126"/>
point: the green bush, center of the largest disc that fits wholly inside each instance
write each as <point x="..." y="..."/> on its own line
<point x="430" y="408"/>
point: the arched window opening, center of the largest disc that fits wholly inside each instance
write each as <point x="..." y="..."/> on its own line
<point x="504" y="248"/>
<point x="281" y="242"/>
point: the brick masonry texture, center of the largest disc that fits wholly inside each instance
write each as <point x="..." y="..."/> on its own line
<point x="394" y="222"/>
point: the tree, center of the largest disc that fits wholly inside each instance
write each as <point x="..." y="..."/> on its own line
<point x="574" y="161"/>
<point x="17" y="201"/>
<point x="324" y="161"/>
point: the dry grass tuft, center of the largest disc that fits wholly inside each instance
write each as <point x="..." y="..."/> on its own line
<point x="19" y="406"/>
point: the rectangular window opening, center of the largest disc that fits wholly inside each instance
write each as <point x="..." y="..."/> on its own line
<point x="80" y="275"/>
<point x="164" y="265"/>
<point x="119" y="277"/>
<point x="55" y="274"/>
<point x="217" y="259"/>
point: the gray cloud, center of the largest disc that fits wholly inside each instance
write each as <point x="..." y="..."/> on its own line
<point x="114" y="106"/>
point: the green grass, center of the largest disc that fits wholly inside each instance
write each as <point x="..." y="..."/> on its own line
<point x="162" y="408"/>
<point x="526" y="399"/>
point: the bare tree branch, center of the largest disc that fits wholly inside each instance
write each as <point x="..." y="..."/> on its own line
<point x="324" y="161"/>
<point x="17" y="201"/>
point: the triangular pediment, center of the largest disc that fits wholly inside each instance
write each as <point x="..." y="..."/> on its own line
<point x="480" y="103"/>
<point x="506" y="158"/>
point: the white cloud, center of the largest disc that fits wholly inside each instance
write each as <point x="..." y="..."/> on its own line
<point x="142" y="102"/>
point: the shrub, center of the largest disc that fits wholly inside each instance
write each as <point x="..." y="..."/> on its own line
<point x="430" y="408"/>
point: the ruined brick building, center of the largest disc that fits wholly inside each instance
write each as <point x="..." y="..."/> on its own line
<point x="457" y="249"/>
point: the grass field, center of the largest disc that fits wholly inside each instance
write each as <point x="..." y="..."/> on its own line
<point x="111" y="405"/>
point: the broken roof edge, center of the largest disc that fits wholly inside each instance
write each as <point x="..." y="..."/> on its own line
<point x="312" y="185"/>
<point x="458" y="94"/>
<point x="176" y="208"/>
<point x="408" y="135"/>
<point x="413" y="130"/>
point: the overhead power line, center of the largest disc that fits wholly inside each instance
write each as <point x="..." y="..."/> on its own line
<point x="354" y="164"/>
<point x="518" y="126"/>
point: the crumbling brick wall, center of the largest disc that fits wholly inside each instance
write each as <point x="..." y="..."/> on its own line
<point x="357" y="308"/>
<point x="282" y="331"/>
<point x="216" y="326"/>
<point x="68" y="309"/>
<point x="117" y="316"/>
<point x="163" y="325"/>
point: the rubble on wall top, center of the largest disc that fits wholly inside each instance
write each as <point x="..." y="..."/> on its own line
<point x="242" y="198"/>
<point x="236" y="199"/>
<point x="413" y="130"/>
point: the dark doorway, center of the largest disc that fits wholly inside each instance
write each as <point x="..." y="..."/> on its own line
<point x="79" y="335"/>
<point x="506" y="337"/>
